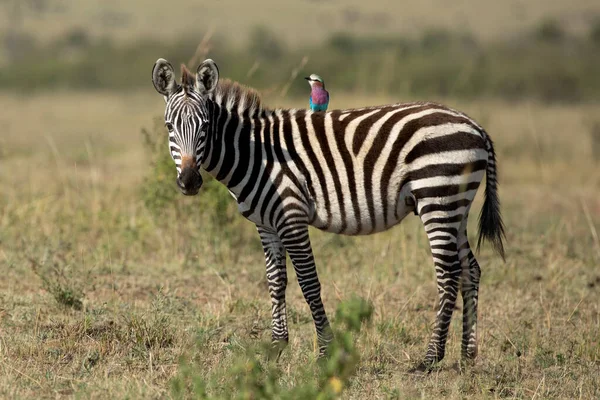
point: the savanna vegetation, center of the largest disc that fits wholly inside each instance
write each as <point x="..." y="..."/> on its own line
<point x="116" y="286"/>
<point x="545" y="63"/>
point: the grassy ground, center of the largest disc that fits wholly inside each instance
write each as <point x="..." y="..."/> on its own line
<point x="138" y="291"/>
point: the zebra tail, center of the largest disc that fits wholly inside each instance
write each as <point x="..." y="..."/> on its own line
<point x="491" y="227"/>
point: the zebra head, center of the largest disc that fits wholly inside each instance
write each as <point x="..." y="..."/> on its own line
<point x="186" y="117"/>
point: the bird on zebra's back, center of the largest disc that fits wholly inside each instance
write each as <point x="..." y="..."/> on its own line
<point x="319" y="97"/>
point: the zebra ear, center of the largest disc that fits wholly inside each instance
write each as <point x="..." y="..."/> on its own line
<point x="207" y="77"/>
<point x="163" y="77"/>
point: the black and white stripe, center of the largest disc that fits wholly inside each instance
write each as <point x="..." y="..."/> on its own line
<point x="353" y="172"/>
<point x="186" y="122"/>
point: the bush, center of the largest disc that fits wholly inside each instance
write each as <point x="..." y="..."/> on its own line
<point x="159" y="190"/>
<point x="595" y="32"/>
<point x="56" y="270"/>
<point x="549" y="31"/>
<point x="212" y="213"/>
<point x="265" y="44"/>
<point x="148" y="331"/>
<point x="250" y="378"/>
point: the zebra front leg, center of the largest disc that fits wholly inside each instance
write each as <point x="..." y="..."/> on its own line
<point x="444" y="250"/>
<point x="277" y="280"/>
<point x="297" y="243"/>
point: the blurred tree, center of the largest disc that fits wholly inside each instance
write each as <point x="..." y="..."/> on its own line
<point x="595" y="32"/>
<point x="265" y="44"/>
<point x="77" y="38"/>
<point x="16" y="43"/>
<point x="550" y="31"/>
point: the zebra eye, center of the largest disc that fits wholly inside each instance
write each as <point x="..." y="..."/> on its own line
<point x="169" y="126"/>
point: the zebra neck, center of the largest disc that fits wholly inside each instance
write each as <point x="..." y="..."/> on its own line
<point x="234" y="145"/>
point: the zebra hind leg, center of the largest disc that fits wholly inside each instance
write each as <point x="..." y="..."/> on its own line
<point x="442" y="231"/>
<point x="277" y="280"/>
<point x="470" y="291"/>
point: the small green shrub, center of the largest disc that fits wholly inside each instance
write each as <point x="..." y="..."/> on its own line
<point x="210" y="219"/>
<point x="159" y="189"/>
<point x="160" y="193"/>
<point x="250" y="378"/>
<point x="58" y="276"/>
<point x="148" y="331"/>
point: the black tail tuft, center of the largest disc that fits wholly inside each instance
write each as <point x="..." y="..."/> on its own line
<point x="491" y="227"/>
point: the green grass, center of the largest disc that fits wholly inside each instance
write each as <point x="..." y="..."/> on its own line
<point x="168" y="290"/>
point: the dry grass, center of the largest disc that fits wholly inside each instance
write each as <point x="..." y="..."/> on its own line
<point x="154" y="290"/>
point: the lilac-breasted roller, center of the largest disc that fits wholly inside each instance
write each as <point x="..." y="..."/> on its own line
<point x="319" y="97"/>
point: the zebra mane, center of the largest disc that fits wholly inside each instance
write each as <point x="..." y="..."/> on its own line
<point x="188" y="80"/>
<point x="237" y="97"/>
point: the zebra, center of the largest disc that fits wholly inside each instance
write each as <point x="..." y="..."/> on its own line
<point x="352" y="172"/>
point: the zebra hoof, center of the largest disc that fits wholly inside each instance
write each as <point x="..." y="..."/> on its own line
<point x="422" y="368"/>
<point x="468" y="355"/>
<point x="276" y="349"/>
<point x="323" y="354"/>
<point x="465" y="364"/>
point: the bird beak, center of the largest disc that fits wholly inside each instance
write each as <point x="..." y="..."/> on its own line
<point x="307" y="78"/>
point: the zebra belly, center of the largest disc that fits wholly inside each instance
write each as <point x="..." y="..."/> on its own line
<point x="364" y="219"/>
<point x="384" y="208"/>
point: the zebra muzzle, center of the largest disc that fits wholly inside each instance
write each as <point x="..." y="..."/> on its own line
<point x="189" y="181"/>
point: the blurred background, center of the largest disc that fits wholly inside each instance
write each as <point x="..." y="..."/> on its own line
<point x="109" y="274"/>
<point x="509" y="50"/>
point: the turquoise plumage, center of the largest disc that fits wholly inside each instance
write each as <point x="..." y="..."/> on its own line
<point x="318" y="107"/>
